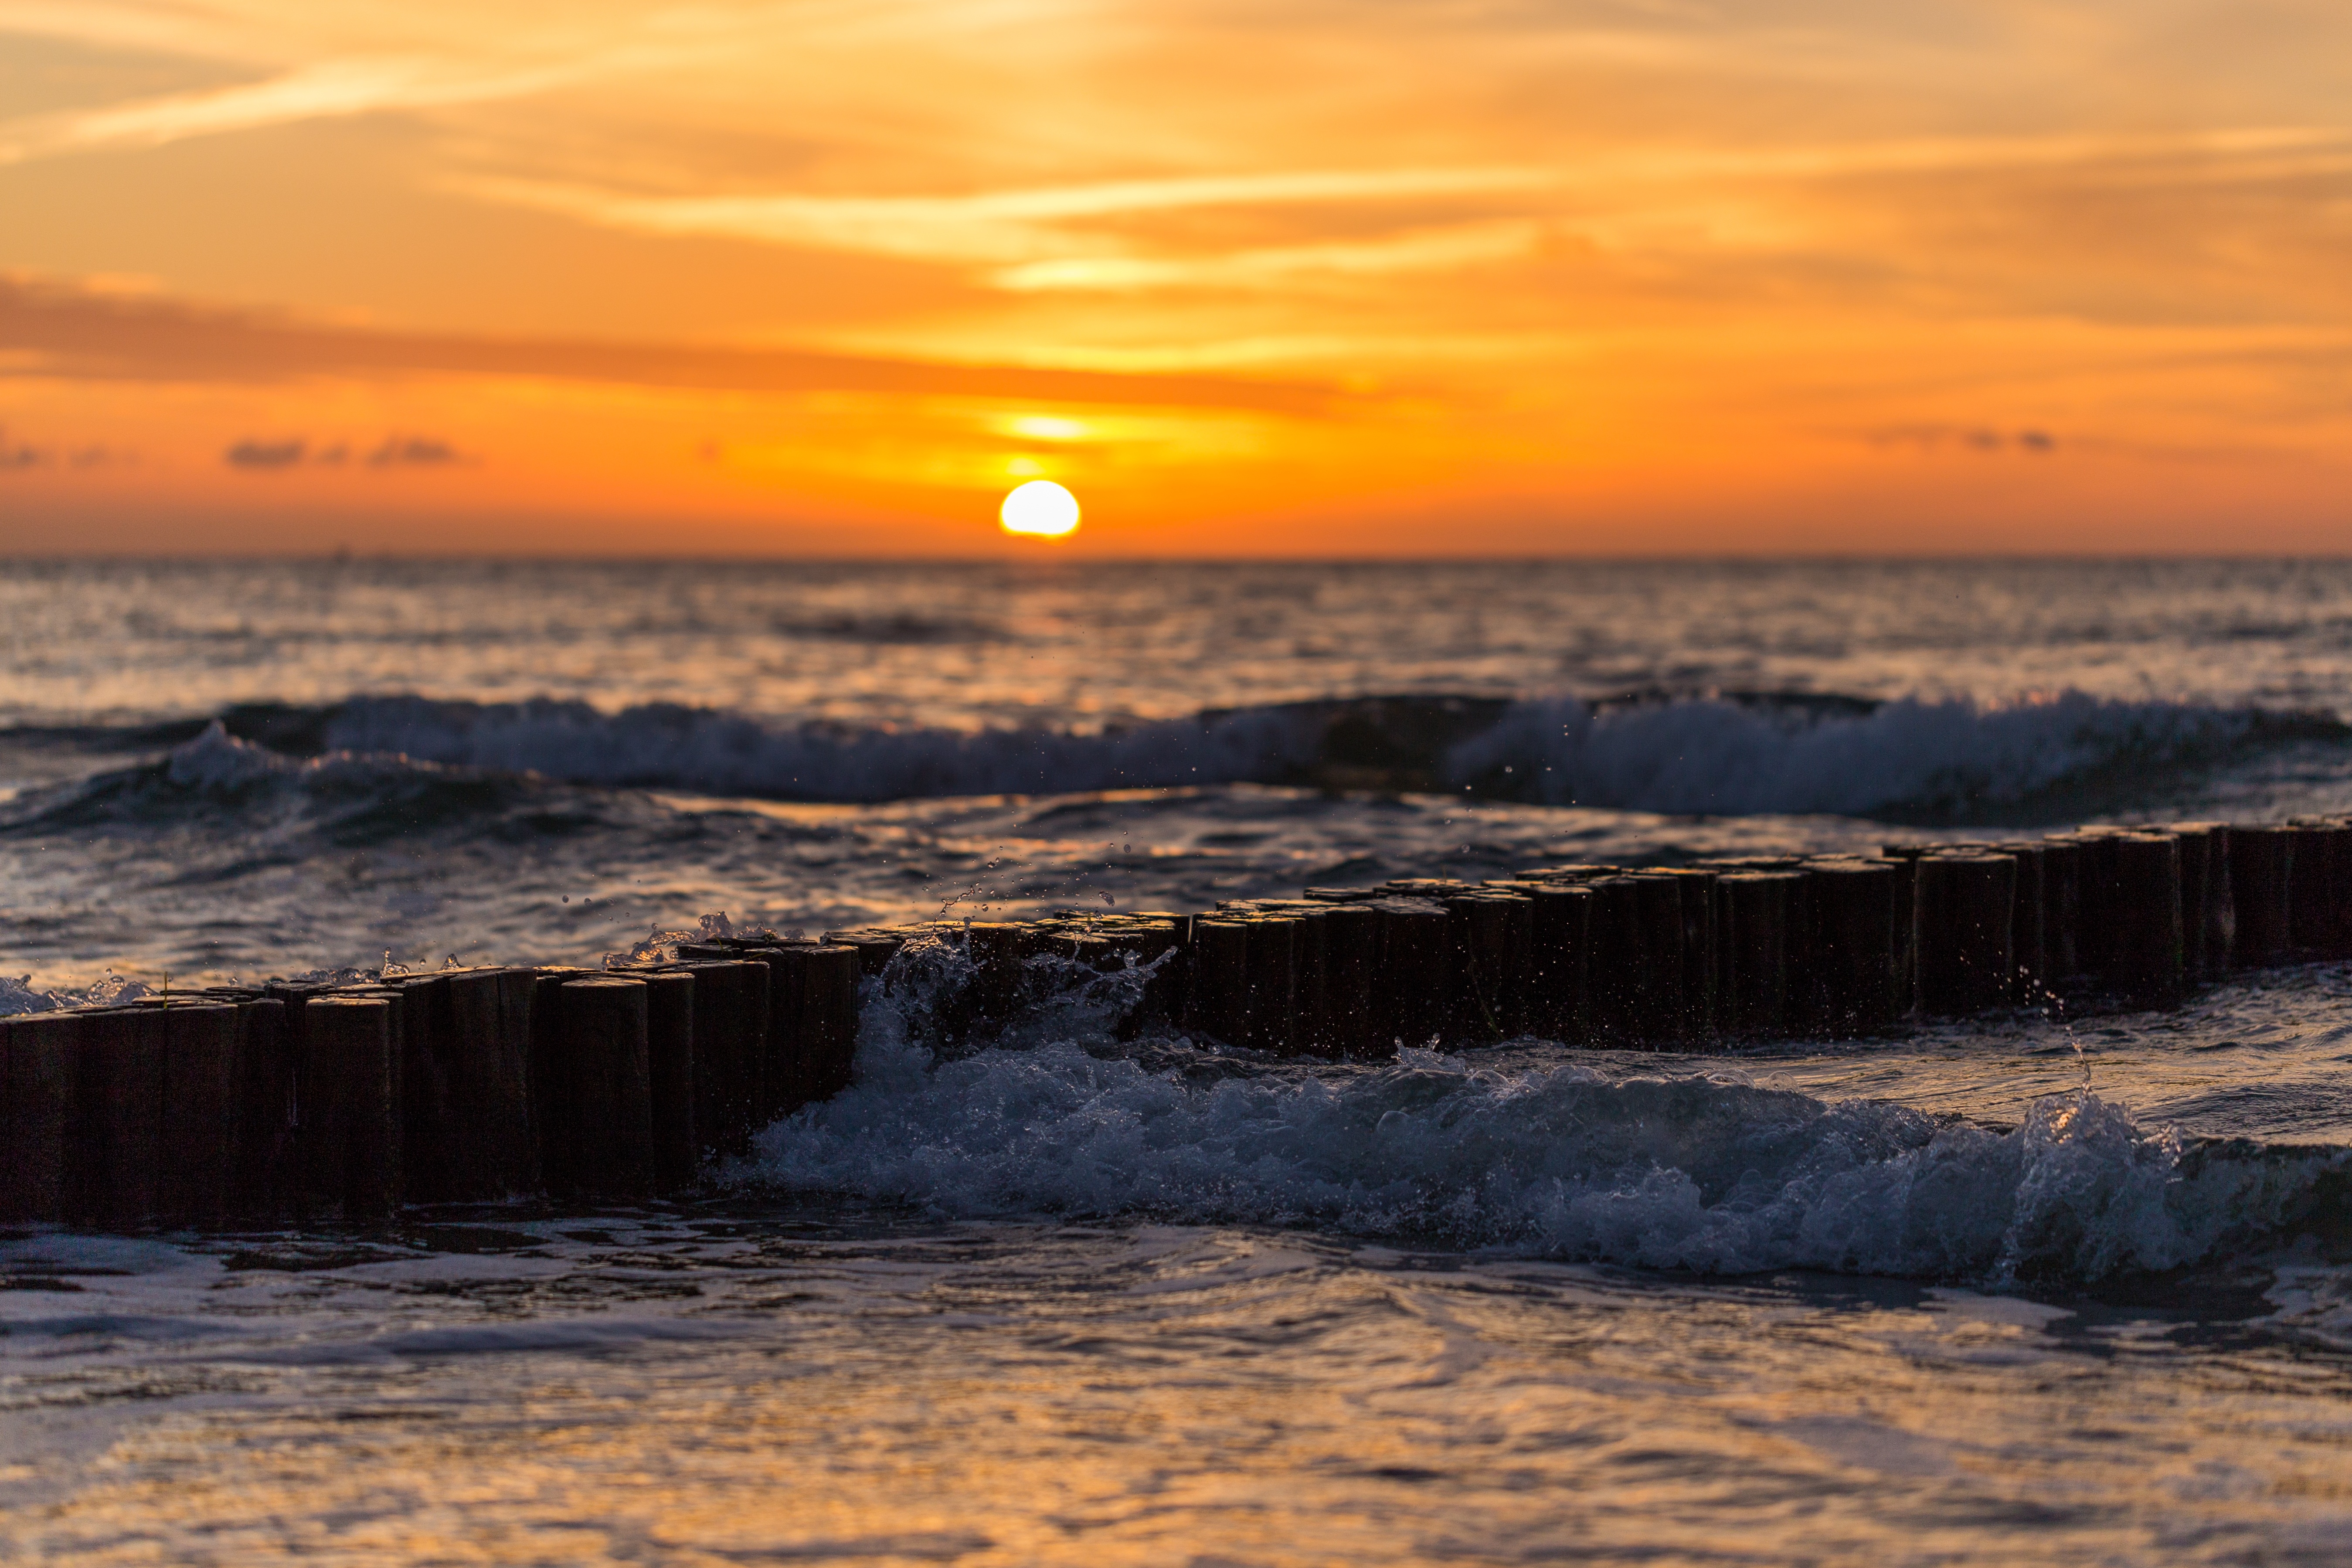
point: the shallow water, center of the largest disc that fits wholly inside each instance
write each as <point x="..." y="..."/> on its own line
<point x="2072" y="1286"/>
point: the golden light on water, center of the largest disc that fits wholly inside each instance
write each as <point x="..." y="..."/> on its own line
<point x="1040" y="508"/>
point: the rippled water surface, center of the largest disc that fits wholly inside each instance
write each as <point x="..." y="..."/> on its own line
<point x="2061" y="1286"/>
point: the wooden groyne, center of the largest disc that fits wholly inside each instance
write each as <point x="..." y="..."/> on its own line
<point x="293" y="1101"/>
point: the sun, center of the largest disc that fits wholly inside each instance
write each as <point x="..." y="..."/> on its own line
<point x="1040" y="508"/>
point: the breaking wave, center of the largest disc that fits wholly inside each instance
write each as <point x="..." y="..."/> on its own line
<point x="1728" y="754"/>
<point x="1702" y="1171"/>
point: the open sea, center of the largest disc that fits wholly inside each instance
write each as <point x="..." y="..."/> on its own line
<point x="2070" y="1286"/>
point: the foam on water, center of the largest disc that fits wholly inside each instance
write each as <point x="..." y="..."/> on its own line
<point x="1749" y="755"/>
<point x="1679" y="1170"/>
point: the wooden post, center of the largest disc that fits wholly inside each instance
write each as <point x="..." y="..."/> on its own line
<point x="351" y="1105"/>
<point x="2146" y="962"/>
<point x="1219" y="1008"/>
<point x="2262" y="866"/>
<point x="1414" y="978"/>
<point x="1752" y="921"/>
<point x="1478" y="941"/>
<point x="1854" y="906"/>
<point x="1268" y="1017"/>
<point x="607" y="1087"/>
<point x="828" y="991"/>
<point x="2196" y="844"/>
<point x="119" y="1083"/>
<point x="1560" y="944"/>
<point x="2323" y="858"/>
<point x="36" y="1116"/>
<point x="2061" y="907"/>
<point x="196" y="1157"/>
<point x="1964" y="902"/>
<point x="1351" y="934"/>
<point x="1658" y="900"/>
<point x="730" y="1031"/>
<point x="1701" y="964"/>
<point x="481" y="1094"/>
<point x="2029" y="954"/>
<point x="1904" y="858"/>
<point x="1617" y="980"/>
<point x="669" y="1074"/>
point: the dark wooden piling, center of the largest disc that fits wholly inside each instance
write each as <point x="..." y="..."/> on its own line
<point x="2318" y="926"/>
<point x="1269" y="1001"/>
<point x="2262" y="868"/>
<point x="196" y="1153"/>
<point x="606" y="1126"/>
<point x="1617" y="978"/>
<point x="1701" y="964"/>
<point x="1560" y="918"/>
<point x="486" y="1148"/>
<point x="2220" y="943"/>
<point x="828" y="1034"/>
<point x="2096" y="897"/>
<point x="1905" y="860"/>
<point x="1752" y="909"/>
<point x="1478" y="947"/>
<point x="431" y="1090"/>
<point x="2195" y="847"/>
<point x="1661" y="1018"/>
<point x="2146" y="956"/>
<point x="119" y="1086"/>
<point x="730" y="1033"/>
<point x="669" y="1076"/>
<point x="1415" y="982"/>
<point x="2029" y="956"/>
<point x="2061" y="907"/>
<point x="262" y="1166"/>
<point x="1963" y="913"/>
<point x="1854" y="911"/>
<point x="36" y="1115"/>
<point x="1351" y="937"/>
<point x="350" y="1130"/>
<point x="1219" y="1006"/>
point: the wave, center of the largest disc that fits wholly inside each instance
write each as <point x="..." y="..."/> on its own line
<point x="1721" y="753"/>
<point x="1701" y="1172"/>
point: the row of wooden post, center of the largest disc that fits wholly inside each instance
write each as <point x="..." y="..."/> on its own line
<point x="316" y="1100"/>
<point x="1834" y="945"/>
<point x="306" y="1102"/>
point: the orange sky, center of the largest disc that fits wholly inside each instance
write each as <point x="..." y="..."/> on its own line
<point x="1389" y="276"/>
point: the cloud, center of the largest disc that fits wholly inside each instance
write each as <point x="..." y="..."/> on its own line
<point x="266" y="456"/>
<point x="411" y="452"/>
<point x="1966" y="438"/>
<point x="1004" y="225"/>
<point x="326" y="90"/>
<point x="65" y="332"/>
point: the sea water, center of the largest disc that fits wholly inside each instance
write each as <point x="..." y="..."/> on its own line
<point x="2058" y="1284"/>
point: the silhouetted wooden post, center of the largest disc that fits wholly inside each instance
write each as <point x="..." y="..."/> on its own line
<point x="1905" y="860"/>
<point x="1752" y="929"/>
<point x="1414" y="974"/>
<point x="669" y="1072"/>
<point x="2196" y="844"/>
<point x="1351" y="933"/>
<point x="37" y="1110"/>
<point x="2322" y="856"/>
<point x="1617" y="978"/>
<point x="489" y="1150"/>
<point x="2262" y="866"/>
<point x="351" y="1106"/>
<point x="1219" y="1002"/>
<point x="1964" y="925"/>
<point x="1267" y="999"/>
<point x="730" y="1031"/>
<point x="1658" y="900"/>
<point x="119" y="1082"/>
<point x="194" y="1167"/>
<point x="828" y="989"/>
<point x="2146" y="962"/>
<point x="1559" y="943"/>
<point x="2028" y="925"/>
<point x="1478" y="946"/>
<point x="1701" y="964"/>
<point x="1854" y="904"/>
<point x="607" y="1087"/>
<point x="2061" y="907"/>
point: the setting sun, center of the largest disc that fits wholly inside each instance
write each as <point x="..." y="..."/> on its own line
<point x="1040" y="508"/>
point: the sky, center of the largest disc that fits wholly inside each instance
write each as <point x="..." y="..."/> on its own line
<point x="1290" y="277"/>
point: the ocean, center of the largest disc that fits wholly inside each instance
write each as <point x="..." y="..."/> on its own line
<point x="2061" y="1285"/>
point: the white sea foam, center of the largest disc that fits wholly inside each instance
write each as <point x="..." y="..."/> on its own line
<point x="1691" y="756"/>
<point x="1720" y="756"/>
<point x="1683" y="1171"/>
